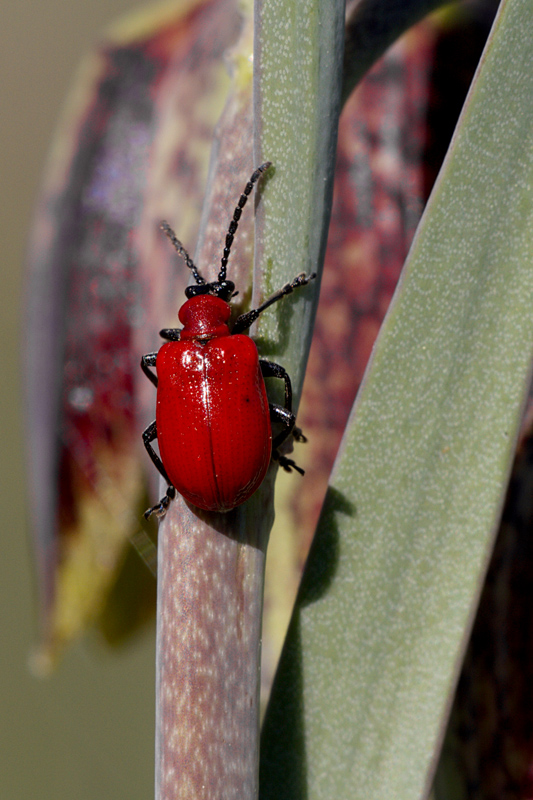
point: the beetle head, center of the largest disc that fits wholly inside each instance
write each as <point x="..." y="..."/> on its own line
<point x="223" y="289"/>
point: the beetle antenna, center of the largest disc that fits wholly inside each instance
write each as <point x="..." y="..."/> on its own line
<point x="182" y="252"/>
<point x="236" y="217"/>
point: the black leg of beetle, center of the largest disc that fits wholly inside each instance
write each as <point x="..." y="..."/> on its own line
<point x="149" y="435"/>
<point x="160" y="509"/>
<point x="243" y="322"/>
<point x="288" y="419"/>
<point x="287" y="463"/>
<point x="236" y="217"/>
<point x="298" y="434"/>
<point x="271" y="370"/>
<point x="148" y="361"/>
<point x="182" y="252"/>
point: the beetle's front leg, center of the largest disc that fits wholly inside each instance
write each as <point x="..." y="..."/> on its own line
<point x="160" y="509"/>
<point x="148" y="361"/>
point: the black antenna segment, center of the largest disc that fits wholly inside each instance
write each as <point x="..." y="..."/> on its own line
<point x="236" y="217"/>
<point x="182" y="252"/>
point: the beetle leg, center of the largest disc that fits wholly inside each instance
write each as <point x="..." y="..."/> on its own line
<point x="149" y="435"/>
<point x="287" y="463"/>
<point x="243" y="322"/>
<point x="148" y="361"/>
<point x="271" y="370"/>
<point x="299" y="435"/>
<point x="288" y="419"/>
<point x="161" y="508"/>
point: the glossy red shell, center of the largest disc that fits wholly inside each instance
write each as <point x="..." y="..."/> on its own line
<point x="212" y="415"/>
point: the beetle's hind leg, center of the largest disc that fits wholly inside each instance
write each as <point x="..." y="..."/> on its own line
<point x="160" y="509"/>
<point x="282" y="414"/>
<point x="287" y="418"/>
<point x="298" y="435"/>
<point x="287" y="463"/>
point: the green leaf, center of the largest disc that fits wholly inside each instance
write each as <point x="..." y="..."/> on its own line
<point x="394" y="574"/>
<point x="373" y="25"/>
<point x="297" y="84"/>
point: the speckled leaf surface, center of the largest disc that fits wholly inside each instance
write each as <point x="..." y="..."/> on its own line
<point x="394" y="573"/>
<point x="378" y="199"/>
<point x="488" y="747"/>
<point x="297" y="84"/>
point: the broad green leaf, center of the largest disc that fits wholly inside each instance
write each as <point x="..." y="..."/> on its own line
<point x="297" y="80"/>
<point x="393" y="577"/>
<point x="373" y="25"/>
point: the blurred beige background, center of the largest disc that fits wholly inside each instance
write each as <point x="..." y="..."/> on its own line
<point x="87" y="732"/>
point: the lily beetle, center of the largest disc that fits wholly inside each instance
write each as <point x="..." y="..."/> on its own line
<point x="213" y="419"/>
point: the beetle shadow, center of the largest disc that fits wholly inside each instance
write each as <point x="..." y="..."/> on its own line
<point x="235" y="526"/>
<point x="283" y="764"/>
<point x="323" y="558"/>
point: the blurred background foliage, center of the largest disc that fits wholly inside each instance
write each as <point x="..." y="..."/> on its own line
<point x="87" y="732"/>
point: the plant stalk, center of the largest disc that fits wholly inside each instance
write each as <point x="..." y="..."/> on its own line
<point x="210" y="594"/>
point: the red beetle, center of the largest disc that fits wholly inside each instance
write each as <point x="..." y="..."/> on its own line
<point x="212" y="416"/>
